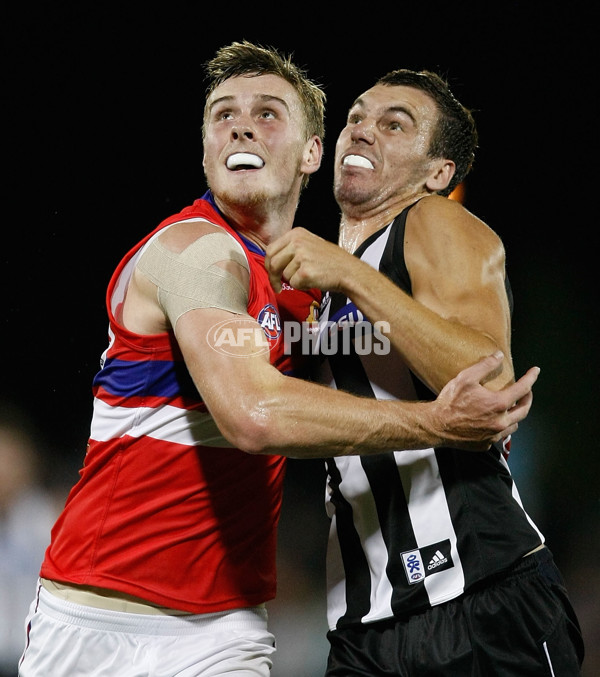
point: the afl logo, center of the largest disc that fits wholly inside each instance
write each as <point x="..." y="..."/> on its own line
<point x="268" y="318"/>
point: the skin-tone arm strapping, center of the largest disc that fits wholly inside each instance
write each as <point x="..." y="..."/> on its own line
<point x="262" y="411"/>
<point x="458" y="312"/>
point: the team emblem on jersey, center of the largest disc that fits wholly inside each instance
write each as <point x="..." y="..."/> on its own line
<point x="268" y="318"/>
<point x="236" y="335"/>
<point x="430" y="559"/>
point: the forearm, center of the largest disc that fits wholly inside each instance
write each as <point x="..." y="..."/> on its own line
<point x="287" y="416"/>
<point x="458" y="311"/>
<point x="306" y="420"/>
<point x="432" y="346"/>
<point x="259" y="410"/>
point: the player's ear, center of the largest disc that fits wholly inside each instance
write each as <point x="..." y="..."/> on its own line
<point x="440" y="176"/>
<point x="313" y="154"/>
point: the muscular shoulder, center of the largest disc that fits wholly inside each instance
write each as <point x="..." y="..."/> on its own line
<point x="438" y="222"/>
<point x="197" y="244"/>
<point x="189" y="266"/>
<point x="182" y="234"/>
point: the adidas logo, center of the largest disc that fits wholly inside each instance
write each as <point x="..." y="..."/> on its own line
<point x="437" y="560"/>
<point x="428" y="560"/>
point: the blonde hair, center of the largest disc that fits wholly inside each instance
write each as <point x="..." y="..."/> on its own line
<point x="246" y="58"/>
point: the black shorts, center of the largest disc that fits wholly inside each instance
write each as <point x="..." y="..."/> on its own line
<point x="517" y="624"/>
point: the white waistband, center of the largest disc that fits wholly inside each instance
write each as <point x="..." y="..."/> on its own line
<point x="106" y="619"/>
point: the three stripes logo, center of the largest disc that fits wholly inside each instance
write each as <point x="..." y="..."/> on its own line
<point x="425" y="561"/>
<point x="437" y="560"/>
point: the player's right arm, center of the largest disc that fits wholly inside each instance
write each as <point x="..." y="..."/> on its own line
<point x="260" y="410"/>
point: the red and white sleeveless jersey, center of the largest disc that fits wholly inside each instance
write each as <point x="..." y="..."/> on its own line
<point x="161" y="510"/>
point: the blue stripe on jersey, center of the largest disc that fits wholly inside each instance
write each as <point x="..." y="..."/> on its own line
<point x="156" y="378"/>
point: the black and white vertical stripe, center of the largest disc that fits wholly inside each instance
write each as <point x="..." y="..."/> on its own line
<point x="409" y="529"/>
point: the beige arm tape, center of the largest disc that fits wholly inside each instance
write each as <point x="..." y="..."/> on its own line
<point x="192" y="279"/>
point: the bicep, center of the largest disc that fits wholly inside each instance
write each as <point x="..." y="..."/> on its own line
<point x="195" y="269"/>
<point x="459" y="273"/>
<point x="227" y="356"/>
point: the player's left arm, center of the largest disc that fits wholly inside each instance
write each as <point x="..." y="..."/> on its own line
<point x="458" y="311"/>
<point x="461" y="311"/>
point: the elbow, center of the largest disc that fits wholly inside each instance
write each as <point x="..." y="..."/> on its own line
<point x="502" y="377"/>
<point x="251" y="429"/>
<point x="507" y="376"/>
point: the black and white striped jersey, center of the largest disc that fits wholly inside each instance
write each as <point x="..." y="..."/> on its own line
<point x="409" y="529"/>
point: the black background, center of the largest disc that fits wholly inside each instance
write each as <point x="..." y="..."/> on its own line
<point x="102" y="108"/>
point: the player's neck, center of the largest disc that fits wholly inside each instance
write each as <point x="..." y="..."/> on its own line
<point x="358" y="222"/>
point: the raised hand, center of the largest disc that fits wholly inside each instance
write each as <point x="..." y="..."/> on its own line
<point x="305" y="261"/>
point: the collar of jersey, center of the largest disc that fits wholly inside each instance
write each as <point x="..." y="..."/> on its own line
<point x="253" y="247"/>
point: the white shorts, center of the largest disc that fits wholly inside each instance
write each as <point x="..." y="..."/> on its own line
<point x="71" y="640"/>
